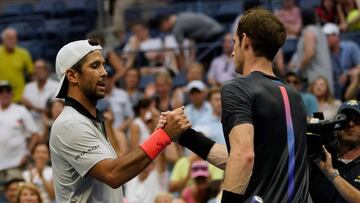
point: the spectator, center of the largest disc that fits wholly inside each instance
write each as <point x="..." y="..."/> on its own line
<point x="163" y="198"/>
<point x="327" y="104"/>
<point x="353" y="90"/>
<point x="150" y="182"/>
<point x="54" y="108"/>
<point x="195" y="72"/>
<point x="37" y="93"/>
<point x="312" y="58"/>
<point x="165" y="98"/>
<point x="17" y="127"/>
<point x="197" y="193"/>
<point x="41" y="174"/>
<point x="111" y="58"/>
<point x="342" y="168"/>
<point x="349" y="10"/>
<point x="15" y="62"/>
<point x="11" y="189"/>
<point x="151" y="54"/>
<point x="132" y="78"/>
<point x="222" y="67"/>
<point x="28" y="192"/>
<point x="309" y="100"/>
<point x="119" y="103"/>
<point x="345" y="56"/>
<point x="211" y="125"/>
<point x="181" y="173"/>
<point x="290" y="16"/>
<point x="144" y="122"/>
<point x="196" y="26"/>
<point x="198" y="107"/>
<point x="328" y="13"/>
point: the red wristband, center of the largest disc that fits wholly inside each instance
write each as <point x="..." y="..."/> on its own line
<point x="155" y="143"/>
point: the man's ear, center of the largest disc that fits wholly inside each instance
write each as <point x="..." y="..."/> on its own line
<point x="72" y="76"/>
<point x="246" y="40"/>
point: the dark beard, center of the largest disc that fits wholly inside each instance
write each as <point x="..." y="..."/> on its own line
<point x="92" y="96"/>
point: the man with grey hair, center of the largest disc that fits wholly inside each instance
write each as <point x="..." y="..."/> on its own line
<point x="37" y="93"/>
<point x="14" y="63"/>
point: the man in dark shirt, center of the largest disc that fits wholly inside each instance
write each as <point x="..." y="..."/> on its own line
<point x="264" y="122"/>
<point x="338" y="179"/>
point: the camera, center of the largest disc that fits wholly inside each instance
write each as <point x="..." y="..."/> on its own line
<point x="322" y="132"/>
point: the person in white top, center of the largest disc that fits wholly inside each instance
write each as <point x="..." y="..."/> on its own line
<point x="143" y="124"/>
<point x="37" y="93"/>
<point x="17" y="126"/>
<point x="40" y="174"/>
<point x="87" y="164"/>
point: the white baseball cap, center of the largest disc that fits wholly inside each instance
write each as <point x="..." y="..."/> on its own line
<point x="196" y="84"/>
<point x="331" y="28"/>
<point x="67" y="57"/>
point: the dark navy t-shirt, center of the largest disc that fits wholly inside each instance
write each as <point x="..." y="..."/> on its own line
<point x="276" y="110"/>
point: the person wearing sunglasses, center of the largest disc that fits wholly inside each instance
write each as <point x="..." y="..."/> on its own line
<point x="342" y="171"/>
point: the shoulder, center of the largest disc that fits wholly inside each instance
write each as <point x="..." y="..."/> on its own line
<point x="22" y="51"/>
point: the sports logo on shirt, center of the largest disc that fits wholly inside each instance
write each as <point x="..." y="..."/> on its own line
<point x="93" y="148"/>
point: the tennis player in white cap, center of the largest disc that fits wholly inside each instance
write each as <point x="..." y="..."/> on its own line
<point x="85" y="164"/>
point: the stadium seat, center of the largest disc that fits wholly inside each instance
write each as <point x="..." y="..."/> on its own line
<point x="22" y="29"/>
<point x="35" y="47"/>
<point x="12" y="10"/>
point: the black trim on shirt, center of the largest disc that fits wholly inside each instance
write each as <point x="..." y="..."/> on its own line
<point x="82" y="110"/>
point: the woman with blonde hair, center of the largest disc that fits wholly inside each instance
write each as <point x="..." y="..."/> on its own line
<point x="327" y="103"/>
<point x="28" y="193"/>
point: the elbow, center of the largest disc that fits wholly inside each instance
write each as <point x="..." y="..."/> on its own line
<point x="114" y="182"/>
<point x="247" y="158"/>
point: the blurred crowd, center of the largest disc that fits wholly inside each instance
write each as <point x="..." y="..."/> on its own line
<point x="151" y="74"/>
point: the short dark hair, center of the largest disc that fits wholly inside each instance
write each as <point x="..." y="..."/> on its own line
<point x="265" y="30"/>
<point x="141" y="104"/>
<point x="11" y="181"/>
<point x="308" y="16"/>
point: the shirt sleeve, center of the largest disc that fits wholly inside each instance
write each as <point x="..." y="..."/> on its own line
<point x="128" y="108"/>
<point x="78" y="144"/>
<point x="29" y="122"/>
<point x="236" y="101"/>
<point x="28" y="63"/>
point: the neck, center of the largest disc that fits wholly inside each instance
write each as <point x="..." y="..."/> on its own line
<point x="349" y="151"/>
<point x="83" y="100"/>
<point x="258" y="64"/>
<point x="41" y="83"/>
<point x="198" y="106"/>
<point x="217" y="114"/>
<point x="130" y="90"/>
<point x="335" y="49"/>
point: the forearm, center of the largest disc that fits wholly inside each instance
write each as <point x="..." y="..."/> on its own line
<point x="49" y="187"/>
<point x="218" y="156"/>
<point x="306" y="60"/>
<point x="238" y="173"/>
<point x="127" y="167"/>
<point x="346" y="190"/>
<point x="352" y="91"/>
<point x="177" y="186"/>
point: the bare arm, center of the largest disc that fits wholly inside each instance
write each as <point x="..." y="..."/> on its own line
<point x="309" y="49"/>
<point x="134" y="136"/>
<point x="353" y="88"/>
<point x="116" y="172"/>
<point x="346" y="190"/>
<point x="218" y="156"/>
<point x="241" y="160"/>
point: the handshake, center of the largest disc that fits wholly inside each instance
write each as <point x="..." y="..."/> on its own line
<point x="174" y="123"/>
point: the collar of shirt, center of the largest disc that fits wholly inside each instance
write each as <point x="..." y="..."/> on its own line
<point x="81" y="109"/>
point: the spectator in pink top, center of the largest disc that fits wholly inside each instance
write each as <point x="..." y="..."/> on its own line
<point x="198" y="192"/>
